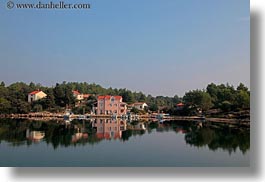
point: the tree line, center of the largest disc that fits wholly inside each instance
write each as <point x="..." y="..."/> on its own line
<point x="13" y="98"/>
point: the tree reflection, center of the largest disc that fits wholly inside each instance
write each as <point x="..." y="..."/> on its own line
<point x="60" y="134"/>
<point x="229" y="139"/>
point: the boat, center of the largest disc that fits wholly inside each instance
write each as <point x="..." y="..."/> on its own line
<point x="67" y="116"/>
<point x="82" y="117"/>
<point x="114" y="116"/>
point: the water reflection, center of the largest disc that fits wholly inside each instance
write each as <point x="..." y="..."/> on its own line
<point x="226" y="138"/>
<point x="35" y="136"/>
<point x="83" y="132"/>
<point x="109" y="128"/>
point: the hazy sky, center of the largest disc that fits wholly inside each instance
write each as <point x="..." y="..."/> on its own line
<point x="160" y="47"/>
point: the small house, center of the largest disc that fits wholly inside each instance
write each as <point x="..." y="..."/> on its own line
<point x="36" y="95"/>
<point x="139" y="105"/>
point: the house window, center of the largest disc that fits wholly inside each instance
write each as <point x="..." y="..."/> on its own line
<point x="110" y="105"/>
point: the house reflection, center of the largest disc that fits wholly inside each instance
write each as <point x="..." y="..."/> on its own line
<point x="78" y="136"/>
<point x="35" y="136"/>
<point x="80" y="132"/>
<point x="138" y="126"/>
<point x="109" y="128"/>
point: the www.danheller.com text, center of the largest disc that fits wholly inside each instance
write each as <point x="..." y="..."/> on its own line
<point x="48" y="5"/>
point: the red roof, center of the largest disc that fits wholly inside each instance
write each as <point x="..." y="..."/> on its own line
<point x="118" y="97"/>
<point x="117" y="135"/>
<point x="34" y="92"/>
<point x="86" y="95"/>
<point x="107" y="135"/>
<point x="109" y="96"/>
<point x="102" y="97"/>
<point x="138" y="103"/>
<point x="180" y="104"/>
<point x="75" y="92"/>
<point x="100" y="135"/>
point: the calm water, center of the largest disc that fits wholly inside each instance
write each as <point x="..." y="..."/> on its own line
<point x="104" y="142"/>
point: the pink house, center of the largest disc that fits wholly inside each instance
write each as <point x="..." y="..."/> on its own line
<point x="110" y="105"/>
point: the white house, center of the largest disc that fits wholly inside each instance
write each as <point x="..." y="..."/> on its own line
<point x="139" y="105"/>
<point x="36" y="95"/>
<point x="34" y="135"/>
<point x="78" y="95"/>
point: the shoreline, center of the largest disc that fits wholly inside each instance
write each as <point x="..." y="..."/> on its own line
<point x="60" y="116"/>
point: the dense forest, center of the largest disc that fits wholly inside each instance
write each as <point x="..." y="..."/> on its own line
<point x="13" y="98"/>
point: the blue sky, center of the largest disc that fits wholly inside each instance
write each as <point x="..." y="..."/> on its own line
<point x="160" y="47"/>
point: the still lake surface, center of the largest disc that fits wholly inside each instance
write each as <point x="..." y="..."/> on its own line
<point x="107" y="142"/>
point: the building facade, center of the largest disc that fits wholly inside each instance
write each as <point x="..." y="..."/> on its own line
<point x="110" y="105"/>
<point x="36" y="95"/>
<point x="80" y="97"/>
<point x="77" y="95"/>
<point x="139" y="105"/>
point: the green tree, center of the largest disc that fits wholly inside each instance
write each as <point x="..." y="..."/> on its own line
<point x="59" y="95"/>
<point x="3" y="91"/>
<point x="2" y="84"/>
<point x="176" y="99"/>
<point x="91" y="102"/>
<point x="127" y="96"/>
<point x="213" y="90"/>
<point x="63" y="95"/>
<point x="198" y="99"/>
<point x="153" y="107"/>
<point x="4" y="105"/>
<point x="37" y="108"/>
<point x="135" y="110"/>
<point x="242" y="99"/>
<point x="49" y="101"/>
<point x="242" y="87"/>
<point x="226" y="106"/>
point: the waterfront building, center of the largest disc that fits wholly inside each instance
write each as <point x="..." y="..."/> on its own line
<point x="77" y="95"/>
<point x="139" y="105"/>
<point x="110" y="105"/>
<point x="80" y="97"/>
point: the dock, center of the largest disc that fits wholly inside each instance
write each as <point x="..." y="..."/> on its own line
<point x="60" y="116"/>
